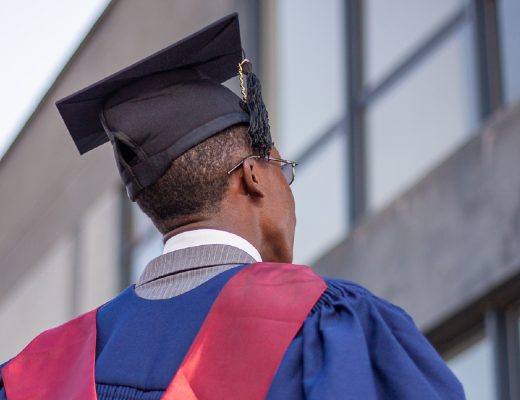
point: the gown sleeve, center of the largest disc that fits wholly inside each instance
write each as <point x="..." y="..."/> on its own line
<point x="354" y="345"/>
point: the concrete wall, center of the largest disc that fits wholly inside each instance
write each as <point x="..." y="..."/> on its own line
<point x="41" y="299"/>
<point x="97" y="253"/>
<point x="449" y="240"/>
<point x="78" y="272"/>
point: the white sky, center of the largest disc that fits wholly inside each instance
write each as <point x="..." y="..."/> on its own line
<point x="36" y="40"/>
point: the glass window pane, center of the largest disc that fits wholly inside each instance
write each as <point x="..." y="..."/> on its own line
<point x="473" y="365"/>
<point x="509" y="14"/>
<point x="141" y="225"/>
<point x="395" y="28"/>
<point x="310" y="82"/>
<point x="320" y="192"/>
<point x="145" y="242"/>
<point x="145" y="250"/>
<point x="414" y="126"/>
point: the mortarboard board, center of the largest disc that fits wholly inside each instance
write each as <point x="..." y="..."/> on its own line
<point x="158" y="108"/>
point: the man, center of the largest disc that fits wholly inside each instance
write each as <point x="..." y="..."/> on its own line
<point x="213" y="317"/>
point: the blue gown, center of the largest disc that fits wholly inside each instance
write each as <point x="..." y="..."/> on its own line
<point x="353" y="345"/>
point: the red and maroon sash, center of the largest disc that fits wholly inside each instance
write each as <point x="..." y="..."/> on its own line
<point x="257" y="314"/>
<point x="57" y="364"/>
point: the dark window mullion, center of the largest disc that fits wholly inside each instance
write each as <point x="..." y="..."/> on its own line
<point x="125" y="242"/>
<point x="496" y="329"/>
<point x="513" y="350"/>
<point x="488" y="56"/>
<point x="357" y="156"/>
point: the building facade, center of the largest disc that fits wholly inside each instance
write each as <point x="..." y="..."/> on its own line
<point x="405" y="119"/>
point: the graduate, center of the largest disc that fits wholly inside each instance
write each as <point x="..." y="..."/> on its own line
<point x="222" y="314"/>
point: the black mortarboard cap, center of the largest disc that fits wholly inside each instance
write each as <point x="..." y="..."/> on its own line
<point x="158" y="108"/>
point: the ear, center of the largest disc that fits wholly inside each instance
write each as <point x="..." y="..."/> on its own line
<point x="253" y="178"/>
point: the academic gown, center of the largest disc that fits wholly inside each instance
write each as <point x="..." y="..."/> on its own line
<point x="352" y="345"/>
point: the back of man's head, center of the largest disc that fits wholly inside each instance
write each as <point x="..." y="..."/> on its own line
<point x="196" y="182"/>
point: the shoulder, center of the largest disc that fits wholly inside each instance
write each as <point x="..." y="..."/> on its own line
<point x="346" y="308"/>
<point x="365" y="334"/>
<point x="342" y="294"/>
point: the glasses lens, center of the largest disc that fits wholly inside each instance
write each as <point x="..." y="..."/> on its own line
<point x="288" y="172"/>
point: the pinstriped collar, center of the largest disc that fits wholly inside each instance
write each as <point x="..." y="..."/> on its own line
<point x="192" y="262"/>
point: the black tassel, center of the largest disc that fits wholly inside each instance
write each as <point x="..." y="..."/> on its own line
<point x="259" y="129"/>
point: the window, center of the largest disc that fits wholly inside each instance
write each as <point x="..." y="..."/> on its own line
<point x="310" y="64"/>
<point x="395" y="28"/>
<point x="418" y="122"/>
<point x="417" y="102"/>
<point x="472" y="363"/>
<point x="320" y="191"/>
<point x="310" y="72"/>
<point x="481" y="344"/>
<point x="509" y="15"/>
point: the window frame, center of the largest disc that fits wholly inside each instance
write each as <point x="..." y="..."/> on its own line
<point x="498" y="314"/>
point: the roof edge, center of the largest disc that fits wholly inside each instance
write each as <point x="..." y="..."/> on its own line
<point x="57" y="79"/>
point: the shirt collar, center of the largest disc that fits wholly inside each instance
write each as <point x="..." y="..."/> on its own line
<point x="201" y="237"/>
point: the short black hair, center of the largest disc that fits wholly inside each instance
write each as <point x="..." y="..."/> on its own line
<point x="196" y="182"/>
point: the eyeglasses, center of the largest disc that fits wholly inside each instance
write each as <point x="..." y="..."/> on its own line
<point x="288" y="167"/>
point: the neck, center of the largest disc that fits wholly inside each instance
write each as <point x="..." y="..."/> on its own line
<point x="245" y="222"/>
<point x="222" y="224"/>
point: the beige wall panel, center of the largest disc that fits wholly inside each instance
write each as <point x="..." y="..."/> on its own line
<point x="41" y="300"/>
<point x="98" y="269"/>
